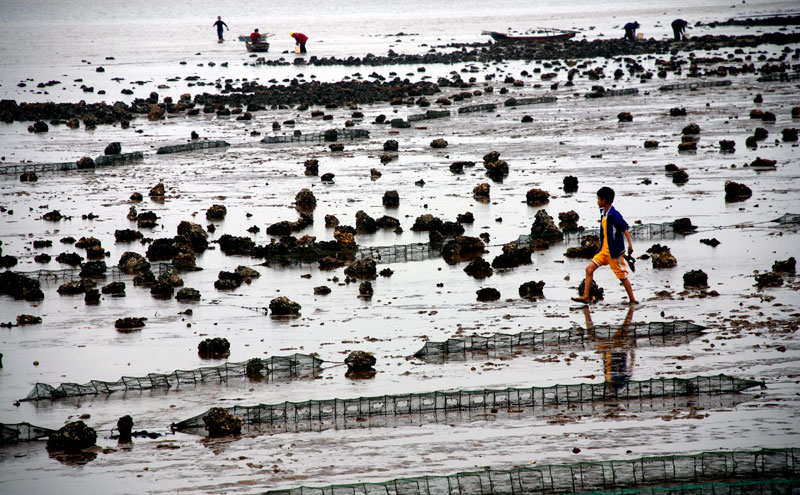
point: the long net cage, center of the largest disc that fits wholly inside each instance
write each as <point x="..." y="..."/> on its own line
<point x="429" y="115"/>
<point x="485" y="107"/>
<point x="22" y="432"/>
<point x="400" y="253"/>
<point x="100" y="161"/>
<point x="330" y="135"/>
<point x="694" y="85"/>
<point x="665" y="230"/>
<point x="112" y="273"/>
<point x="334" y="410"/>
<point x="198" y="145"/>
<point x="275" y="367"/>
<point x="788" y="218"/>
<point x="747" y="469"/>
<point x="653" y="331"/>
<point x="782" y="77"/>
<point x="517" y="102"/>
<point x="768" y="486"/>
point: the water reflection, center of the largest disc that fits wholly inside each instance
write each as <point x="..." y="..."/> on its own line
<point x="616" y="349"/>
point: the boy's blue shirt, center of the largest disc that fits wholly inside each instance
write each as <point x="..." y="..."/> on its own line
<point x="615" y="235"/>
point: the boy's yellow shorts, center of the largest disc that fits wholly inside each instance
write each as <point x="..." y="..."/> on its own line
<point x="617" y="264"/>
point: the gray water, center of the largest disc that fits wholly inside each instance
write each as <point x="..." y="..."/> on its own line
<point x="751" y="333"/>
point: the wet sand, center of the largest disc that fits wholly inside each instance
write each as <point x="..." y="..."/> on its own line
<point x="750" y="334"/>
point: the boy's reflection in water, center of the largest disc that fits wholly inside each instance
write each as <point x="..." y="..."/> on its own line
<point x="616" y="348"/>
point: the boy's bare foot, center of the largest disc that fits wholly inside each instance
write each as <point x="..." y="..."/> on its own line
<point x="633" y="302"/>
<point x="580" y="300"/>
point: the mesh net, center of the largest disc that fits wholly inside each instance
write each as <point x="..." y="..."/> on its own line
<point x="430" y="114"/>
<point x="556" y="337"/>
<point x="333" y="410"/>
<point x="294" y="366"/>
<point x="780" y="77"/>
<point x="100" y="161"/>
<point x="199" y="145"/>
<point x="613" y="476"/>
<point x="22" y="432"/>
<point x="316" y="136"/>
<point x="769" y="486"/>
<point x="612" y="92"/>
<point x="66" y="274"/>
<point x="664" y="230"/>
<point x="694" y="85"/>
<point x="486" y="107"/>
<point x="400" y="253"/>
<point x="516" y="102"/>
<point x="788" y="218"/>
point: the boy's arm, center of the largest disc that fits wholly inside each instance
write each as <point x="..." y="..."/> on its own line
<point x="630" y="242"/>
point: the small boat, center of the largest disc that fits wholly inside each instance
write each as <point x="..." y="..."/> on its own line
<point x="550" y="36"/>
<point x="258" y="46"/>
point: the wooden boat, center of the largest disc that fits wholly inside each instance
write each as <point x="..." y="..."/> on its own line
<point x="550" y="36"/>
<point x="258" y="46"/>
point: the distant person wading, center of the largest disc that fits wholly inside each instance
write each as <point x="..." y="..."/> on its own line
<point x="679" y="29"/>
<point x="219" y="25"/>
<point x="300" y="40"/>
<point x="630" y="30"/>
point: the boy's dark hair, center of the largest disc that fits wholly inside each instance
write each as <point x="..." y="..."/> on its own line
<point x="606" y="193"/>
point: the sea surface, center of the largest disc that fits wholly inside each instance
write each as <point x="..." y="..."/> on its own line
<point x="751" y="333"/>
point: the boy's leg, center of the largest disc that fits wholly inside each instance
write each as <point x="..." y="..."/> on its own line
<point x="587" y="284"/>
<point x="627" y="284"/>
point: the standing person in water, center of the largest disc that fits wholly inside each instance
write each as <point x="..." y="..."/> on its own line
<point x="219" y="25"/>
<point x="613" y="228"/>
<point x="679" y="29"/>
<point x="300" y="40"/>
<point x="630" y="30"/>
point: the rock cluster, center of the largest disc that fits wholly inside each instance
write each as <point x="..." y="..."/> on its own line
<point x="220" y="423"/>
<point x="662" y="257"/>
<point x="284" y="306"/>
<point x="695" y="279"/>
<point x="215" y="347"/>
<point x="72" y="437"/>
<point x="532" y="290"/>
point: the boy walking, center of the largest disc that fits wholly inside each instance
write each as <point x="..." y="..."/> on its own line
<point x="613" y="228"/>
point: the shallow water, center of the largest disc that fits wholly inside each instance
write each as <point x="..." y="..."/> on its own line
<point x="751" y="333"/>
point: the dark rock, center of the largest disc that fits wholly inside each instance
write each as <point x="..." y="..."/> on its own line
<point x="305" y="201"/>
<point x="479" y="269"/>
<point x="364" y="268"/>
<point x="28" y="177"/>
<point x="735" y="191"/>
<point x="677" y="112"/>
<point x="254" y="367"/>
<point x="390" y="145"/>
<point x="75" y="287"/>
<point x="486" y="294"/>
<point x="336" y="147"/>
<point x="125" y="427"/>
<point x="769" y="279"/>
<point x="387" y="222"/>
<point x="131" y="262"/>
<point x="695" y="279"/>
<point x="162" y="289"/>
<point x="496" y="170"/>
<point x="38" y="127"/>
<point x="322" y="290"/>
<point x="327" y="177"/>
<point x="467" y="217"/>
<point x="228" y="280"/>
<point x="763" y="163"/>
<point x="532" y="290"/>
<point x="570" y="183"/>
<point x="789" y="134"/>
<point x="481" y="191"/>
<point x="595" y="291"/>
<point x="568" y="221"/>
<point x="114" y="148"/>
<point x="71" y="259"/>
<point x="187" y="294"/>
<point x="87" y="242"/>
<point x="661" y="257"/>
<point x="625" y="117"/>
<point x="312" y="166"/>
<point x="91" y="296"/>
<point x="216" y="347"/>
<point x="72" y="437"/>
<point x="760" y="134"/>
<point x="42" y="258"/>
<point x="787" y="266"/>
<point x="7" y="261"/>
<point x="650" y="144"/>
<point x="438" y="144"/>
<point x="680" y="177"/>
<point x="360" y="360"/>
<point x="492" y="156"/>
<point x="93" y="269"/>
<point x="512" y="256"/>
<point x="28" y="320"/>
<point x="365" y="289"/>
<point x="236" y="245"/>
<point x="462" y="248"/>
<point x="127" y="235"/>
<point x="713" y="242"/>
<point x="691" y="129"/>
<point x="687" y="146"/>
<point x="129" y="322"/>
<point x="146" y="220"/>
<point x="194" y="234"/>
<point x="284" y="306"/>
<point x="537" y="197"/>
<point x="544" y="227"/>
<point x="768" y="117"/>
<point x="53" y="216"/>
<point x="365" y="223"/>
<point x="221" y="423"/>
<point x="20" y="286"/>
<point x="727" y="145"/>
<point x="145" y="278"/>
<point x="114" y="289"/>
<point x="391" y="199"/>
<point x="590" y="246"/>
<point x="427" y="222"/>
<point x="216" y="212"/>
